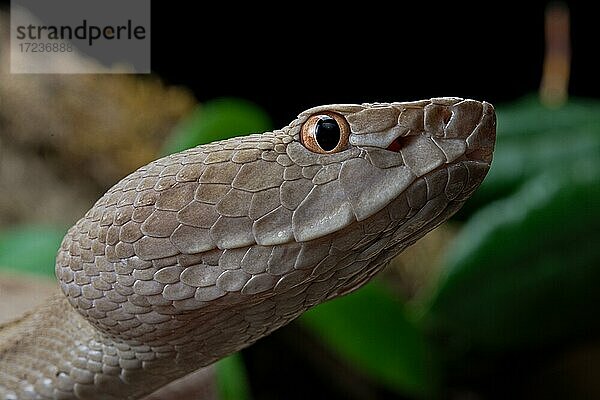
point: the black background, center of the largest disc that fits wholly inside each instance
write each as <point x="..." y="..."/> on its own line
<point x="293" y="55"/>
<point x="296" y="55"/>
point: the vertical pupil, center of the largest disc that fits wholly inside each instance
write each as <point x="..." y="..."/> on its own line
<point x="327" y="133"/>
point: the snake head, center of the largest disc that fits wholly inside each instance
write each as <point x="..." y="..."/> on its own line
<point x="200" y="253"/>
<point x="401" y="156"/>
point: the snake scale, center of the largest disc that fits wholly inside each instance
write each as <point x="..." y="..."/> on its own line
<point x="201" y="253"/>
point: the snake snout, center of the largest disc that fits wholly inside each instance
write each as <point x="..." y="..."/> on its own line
<point x="464" y="129"/>
<point x="481" y="141"/>
<point x="460" y="128"/>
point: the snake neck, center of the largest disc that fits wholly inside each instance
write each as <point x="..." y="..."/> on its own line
<point x="54" y="353"/>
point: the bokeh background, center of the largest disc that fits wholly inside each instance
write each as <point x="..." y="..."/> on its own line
<point x="500" y="302"/>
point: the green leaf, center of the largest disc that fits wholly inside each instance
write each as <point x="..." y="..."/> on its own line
<point x="370" y="330"/>
<point x="30" y="249"/>
<point x="532" y="138"/>
<point x="529" y="116"/>
<point x="232" y="381"/>
<point x="524" y="271"/>
<point x="217" y="120"/>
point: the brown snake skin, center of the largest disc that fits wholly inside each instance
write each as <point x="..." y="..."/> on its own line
<point x="201" y="253"/>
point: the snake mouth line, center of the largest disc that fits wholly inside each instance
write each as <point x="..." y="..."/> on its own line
<point x="483" y="154"/>
<point x="480" y="154"/>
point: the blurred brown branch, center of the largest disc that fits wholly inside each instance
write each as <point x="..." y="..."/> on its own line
<point x="557" y="62"/>
<point x="66" y="138"/>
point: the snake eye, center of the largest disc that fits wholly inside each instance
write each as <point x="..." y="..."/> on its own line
<point x="325" y="133"/>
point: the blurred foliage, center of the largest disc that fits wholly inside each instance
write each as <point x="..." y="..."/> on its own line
<point x="216" y="120"/>
<point x="371" y="330"/>
<point x="521" y="275"/>
<point x="533" y="138"/>
<point x="232" y="382"/>
<point x="93" y="128"/>
<point x="524" y="270"/>
<point x="30" y="249"/>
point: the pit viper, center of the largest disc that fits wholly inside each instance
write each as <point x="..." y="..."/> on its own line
<point x="201" y="253"/>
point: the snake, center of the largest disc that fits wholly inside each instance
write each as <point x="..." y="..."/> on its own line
<point x="199" y="254"/>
